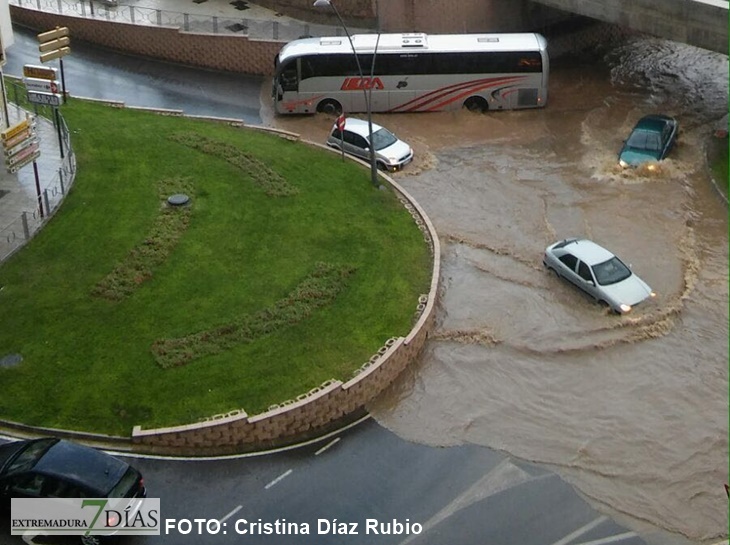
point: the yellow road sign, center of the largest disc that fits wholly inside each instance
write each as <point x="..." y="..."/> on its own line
<point x="58" y="32"/>
<point x="55" y="54"/>
<point x="54" y="44"/>
<point x="40" y="72"/>
<point x="15" y="129"/>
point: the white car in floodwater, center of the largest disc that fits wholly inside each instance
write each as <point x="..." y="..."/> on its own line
<point x="597" y="272"/>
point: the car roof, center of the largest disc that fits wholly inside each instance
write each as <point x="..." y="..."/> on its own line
<point x="587" y="251"/>
<point x="82" y="465"/>
<point x="360" y="126"/>
<point x="654" y="122"/>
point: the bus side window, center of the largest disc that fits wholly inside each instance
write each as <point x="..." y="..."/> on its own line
<point x="288" y="80"/>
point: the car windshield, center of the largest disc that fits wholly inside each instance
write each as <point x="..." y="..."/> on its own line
<point x="641" y="139"/>
<point x="28" y="457"/>
<point x="382" y="138"/>
<point x="611" y="271"/>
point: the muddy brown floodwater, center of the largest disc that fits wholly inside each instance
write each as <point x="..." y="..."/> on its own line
<point x="632" y="410"/>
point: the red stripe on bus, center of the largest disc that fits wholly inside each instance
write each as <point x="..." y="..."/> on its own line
<point x="470" y="86"/>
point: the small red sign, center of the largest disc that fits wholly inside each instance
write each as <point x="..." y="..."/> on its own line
<point x="340" y="122"/>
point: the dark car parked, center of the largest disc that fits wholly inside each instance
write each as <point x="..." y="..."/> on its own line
<point x="650" y="140"/>
<point x="55" y="468"/>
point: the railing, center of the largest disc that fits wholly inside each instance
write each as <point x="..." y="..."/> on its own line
<point x="36" y="199"/>
<point x="266" y="26"/>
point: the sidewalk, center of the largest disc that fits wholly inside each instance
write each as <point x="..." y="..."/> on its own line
<point x="20" y="216"/>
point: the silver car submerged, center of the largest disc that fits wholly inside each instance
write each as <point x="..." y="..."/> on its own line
<point x="391" y="154"/>
<point x="597" y="272"/>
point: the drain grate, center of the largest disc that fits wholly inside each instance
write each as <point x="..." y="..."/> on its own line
<point x="11" y="360"/>
<point x="240" y="5"/>
<point x="237" y="27"/>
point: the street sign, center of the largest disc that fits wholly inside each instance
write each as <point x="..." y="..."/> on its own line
<point x="55" y="54"/>
<point x="54" y="44"/>
<point x="30" y="158"/>
<point x="16" y="129"/>
<point x="44" y="98"/>
<point x="18" y="138"/>
<point x="341" y="122"/>
<point x="58" y="32"/>
<point x="42" y="85"/>
<point x="41" y="72"/>
<point x="22" y="155"/>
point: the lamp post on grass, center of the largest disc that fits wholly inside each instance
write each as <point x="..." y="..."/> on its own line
<point x="367" y="88"/>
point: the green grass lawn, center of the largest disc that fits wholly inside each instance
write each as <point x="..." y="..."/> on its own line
<point x="235" y="286"/>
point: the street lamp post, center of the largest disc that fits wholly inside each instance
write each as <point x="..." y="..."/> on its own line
<point x="366" y="88"/>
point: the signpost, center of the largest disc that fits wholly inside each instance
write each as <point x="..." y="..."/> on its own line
<point x="44" y="98"/>
<point x="42" y="85"/>
<point x="21" y="146"/>
<point x="54" y="44"/>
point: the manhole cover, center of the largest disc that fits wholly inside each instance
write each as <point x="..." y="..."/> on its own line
<point x="179" y="199"/>
<point x="237" y="27"/>
<point x="11" y="360"/>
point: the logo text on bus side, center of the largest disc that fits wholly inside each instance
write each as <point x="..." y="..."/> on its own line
<point x="358" y="84"/>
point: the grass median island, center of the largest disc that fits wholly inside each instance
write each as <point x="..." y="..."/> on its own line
<point x="126" y="312"/>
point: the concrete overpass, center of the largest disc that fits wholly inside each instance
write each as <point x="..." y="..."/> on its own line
<point x="702" y="23"/>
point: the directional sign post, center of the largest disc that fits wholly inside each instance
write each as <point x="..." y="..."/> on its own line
<point x="20" y="147"/>
<point x="54" y="44"/>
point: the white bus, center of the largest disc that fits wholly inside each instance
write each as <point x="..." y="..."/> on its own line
<point x="412" y="73"/>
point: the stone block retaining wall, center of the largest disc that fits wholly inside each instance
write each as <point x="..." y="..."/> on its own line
<point x="228" y="53"/>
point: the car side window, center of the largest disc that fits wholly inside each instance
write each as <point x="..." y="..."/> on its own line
<point x="569" y="261"/>
<point x="585" y="272"/>
<point x="26" y="483"/>
<point x="350" y="137"/>
<point x="336" y="134"/>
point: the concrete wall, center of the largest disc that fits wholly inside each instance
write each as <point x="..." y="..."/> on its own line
<point x="447" y="16"/>
<point x="697" y="23"/>
<point x="215" y="51"/>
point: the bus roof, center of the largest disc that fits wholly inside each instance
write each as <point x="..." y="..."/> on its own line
<point x="414" y="42"/>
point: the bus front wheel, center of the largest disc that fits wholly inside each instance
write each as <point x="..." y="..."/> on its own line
<point x="476" y="104"/>
<point x="329" y="107"/>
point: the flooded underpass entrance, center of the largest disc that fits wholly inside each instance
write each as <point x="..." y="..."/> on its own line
<point x="633" y="409"/>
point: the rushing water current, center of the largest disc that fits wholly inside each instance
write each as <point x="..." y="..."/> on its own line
<point x="632" y="410"/>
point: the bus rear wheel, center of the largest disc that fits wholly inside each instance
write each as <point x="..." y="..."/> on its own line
<point x="476" y="104"/>
<point x="330" y="107"/>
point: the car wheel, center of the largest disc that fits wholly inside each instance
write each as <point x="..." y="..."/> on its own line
<point x="476" y="105"/>
<point x="330" y="107"/>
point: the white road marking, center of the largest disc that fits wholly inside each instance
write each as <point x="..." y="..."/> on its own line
<point x="328" y="445"/>
<point x="279" y="478"/>
<point x="229" y="515"/>
<point x="580" y="531"/>
<point x="610" y="539"/>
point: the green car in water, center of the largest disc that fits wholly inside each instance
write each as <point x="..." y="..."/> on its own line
<point x="650" y="140"/>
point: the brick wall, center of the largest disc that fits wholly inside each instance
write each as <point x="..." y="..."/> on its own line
<point x="228" y="53"/>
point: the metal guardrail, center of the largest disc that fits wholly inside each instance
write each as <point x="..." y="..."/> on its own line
<point x="53" y="184"/>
